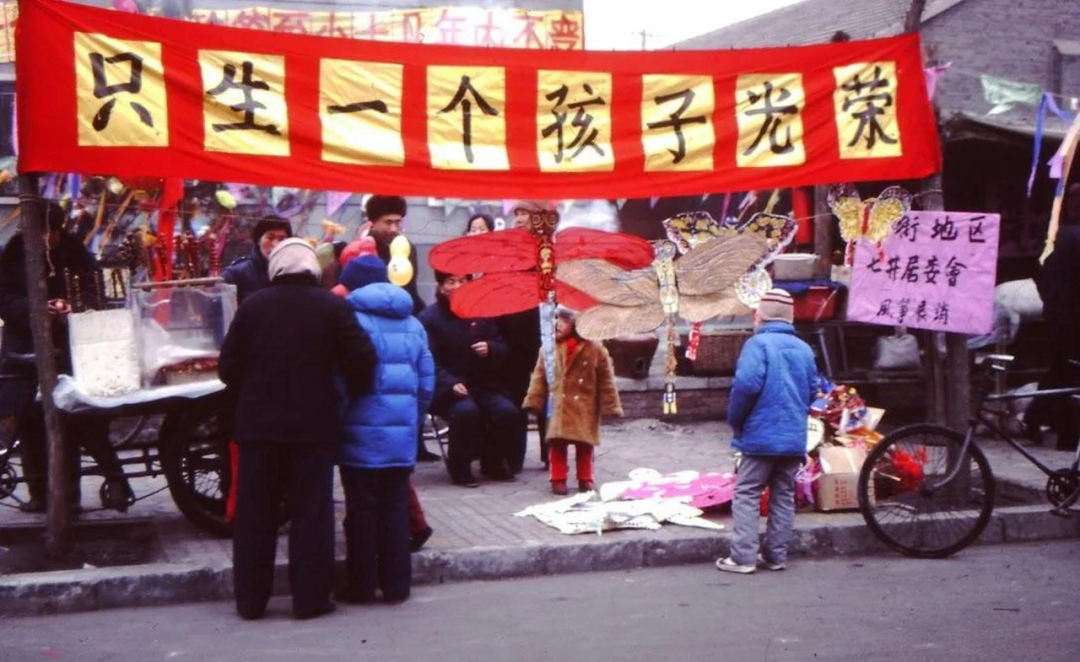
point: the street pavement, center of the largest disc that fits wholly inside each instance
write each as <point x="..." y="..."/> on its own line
<point x="1006" y="602"/>
<point x="477" y="536"/>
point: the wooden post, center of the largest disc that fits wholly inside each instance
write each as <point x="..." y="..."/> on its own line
<point x="823" y="227"/>
<point x="35" y="238"/>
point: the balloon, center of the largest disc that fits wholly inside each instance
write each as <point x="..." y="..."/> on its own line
<point x="225" y="199"/>
<point x="400" y="270"/>
<point x="400" y="247"/>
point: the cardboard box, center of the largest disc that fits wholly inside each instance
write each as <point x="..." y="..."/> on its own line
<point x="837" y="488"/>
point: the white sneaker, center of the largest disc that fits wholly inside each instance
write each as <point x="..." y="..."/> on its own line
<point x="728" y="565"/>
<point x="769" y="565"/>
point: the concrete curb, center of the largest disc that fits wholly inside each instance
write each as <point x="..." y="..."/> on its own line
<point x="160" y="584"/>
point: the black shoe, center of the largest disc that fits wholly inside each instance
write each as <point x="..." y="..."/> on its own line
<point x="500" y="474"/>
<point x="304" y="615"/>
<point x="461" y="474"/>
<point x="249" y="613"/>
<point x="351" y="597"/>
<point x="424" y="455"/>
<point x="116" y="494"/>
<point x="417" y="542"/>
<point x="465" y="479"/>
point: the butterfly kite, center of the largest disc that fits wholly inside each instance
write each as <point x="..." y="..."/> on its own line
<point x="522" y="266"/>
<point x="872" y="219"/>
<point x="696" y="287"/>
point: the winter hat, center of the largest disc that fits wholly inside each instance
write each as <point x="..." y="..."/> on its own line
<point x="353" y="250"/>
<point x="776" y="306"/>
<point x="381" y="205"/>
<point x="364" y="270"/>
<point x="268" y="223"/>
<point x="294" y="256"/>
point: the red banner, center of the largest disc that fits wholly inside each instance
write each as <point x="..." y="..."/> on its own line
<point x="102" y="91"/>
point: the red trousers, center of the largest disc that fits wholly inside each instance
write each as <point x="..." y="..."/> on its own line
<point x="559" y="455"/>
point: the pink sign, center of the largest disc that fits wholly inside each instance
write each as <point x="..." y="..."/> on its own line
<point x="936" y="271"/>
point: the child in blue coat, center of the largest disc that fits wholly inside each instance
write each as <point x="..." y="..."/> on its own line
<point x="379" y="436"/>
<point x="775" y="380"/>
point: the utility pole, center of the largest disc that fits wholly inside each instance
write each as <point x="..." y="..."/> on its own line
<point x="35" y="242"/>
<point x="950" y="370"/>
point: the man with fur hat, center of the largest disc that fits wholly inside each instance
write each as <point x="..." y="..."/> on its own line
<point x="386" y="216"/>
<point x="775" y="382"/>
<point x="286" y="346"/>
<point x="248" y="273"/>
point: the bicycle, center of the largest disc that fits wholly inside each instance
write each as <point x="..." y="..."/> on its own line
<point x="927" y="491"/>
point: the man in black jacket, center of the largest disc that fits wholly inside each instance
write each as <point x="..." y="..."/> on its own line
<point x="469" y="392"/>
<point x="279" y="360"/>
<point x="65" y="253"/>
<point x="248" y="273"/>
<point x="1059" y="287"/>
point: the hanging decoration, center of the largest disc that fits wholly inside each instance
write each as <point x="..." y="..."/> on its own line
<point x="871" y="219"/>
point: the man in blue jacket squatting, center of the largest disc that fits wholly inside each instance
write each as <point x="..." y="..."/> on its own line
<point x="775" y="381"/>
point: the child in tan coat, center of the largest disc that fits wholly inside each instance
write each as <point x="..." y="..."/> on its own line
<point x="583" y="392"/>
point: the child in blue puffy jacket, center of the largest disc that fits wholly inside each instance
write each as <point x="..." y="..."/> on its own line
<point x="379" y="434"/>
<point x="775" y="381"/>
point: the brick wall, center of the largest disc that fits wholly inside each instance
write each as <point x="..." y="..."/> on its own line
<point x="1007" y="38"/>
<point x="694" y="404"/>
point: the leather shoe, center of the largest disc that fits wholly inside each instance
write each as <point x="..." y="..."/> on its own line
<point x="559" y="487"/>
<point x="586" y="486"/>
<point x="314" y="613"/>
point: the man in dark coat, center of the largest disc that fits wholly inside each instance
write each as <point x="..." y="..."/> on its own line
<point x="521" y="332"/>
<point x="65" y="253"/>
<point x="248" y="273"/>
<point x="1059" y="287"/>
<point x="469" y="391"/>
<point x="280" y="358"/>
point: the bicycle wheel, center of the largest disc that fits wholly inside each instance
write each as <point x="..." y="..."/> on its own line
<point x="195" y="458"/>
<point x="903" y="504"/>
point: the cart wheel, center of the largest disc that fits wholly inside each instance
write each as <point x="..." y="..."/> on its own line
<point x="195" y="458"/>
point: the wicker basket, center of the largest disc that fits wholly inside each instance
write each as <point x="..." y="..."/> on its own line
<point x="718" y="352"/>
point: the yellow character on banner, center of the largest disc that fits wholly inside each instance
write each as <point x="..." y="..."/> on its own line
<point x="866" y="117"/>
<point x="400" y="269"/>
<point x="360" y="110"/>
<point x="573" y="121"/>
<point x="769" y="109"/>
<point x="467" y="118"/>
<point x="244" y="108"/>
<point x="120" y="86"/>
<point x="676" y="122"/>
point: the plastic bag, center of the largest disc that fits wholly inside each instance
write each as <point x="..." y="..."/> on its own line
<point x="897" y="352"/>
